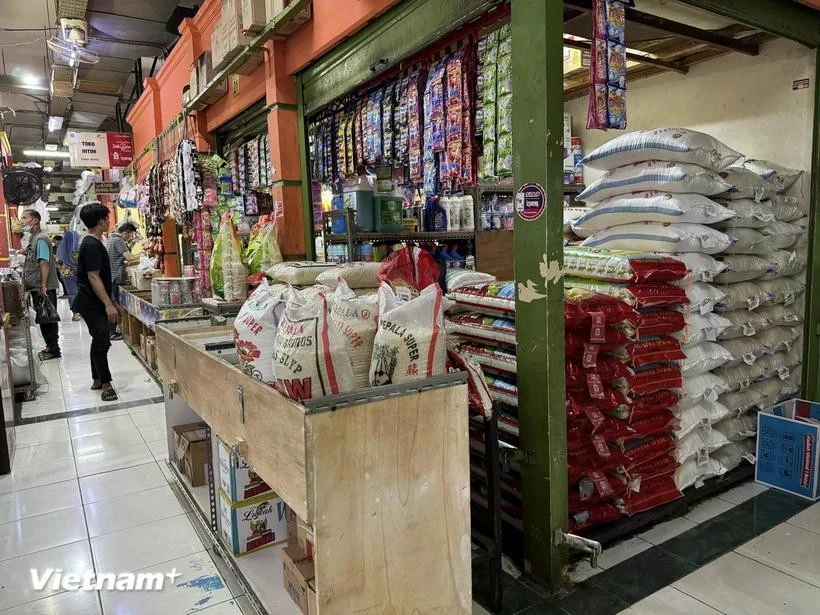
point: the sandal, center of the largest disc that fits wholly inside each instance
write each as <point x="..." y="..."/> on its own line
<point x="96" y="385"/>
<point x="109" y="394"/>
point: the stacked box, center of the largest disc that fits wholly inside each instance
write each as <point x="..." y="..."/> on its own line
<point x="254" y="524"/>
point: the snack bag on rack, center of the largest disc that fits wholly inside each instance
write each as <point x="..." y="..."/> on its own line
<point x="263" y="248"/>
<point x="228" y="273"/>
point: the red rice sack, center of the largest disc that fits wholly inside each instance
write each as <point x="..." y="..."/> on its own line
<point x="650" y="350"/>
<point x="478" y="394"/>
<point x="621" y="265"/>
<point x="310" y="358"/>
<point x="644" y="295"/>
<point x="411" y="342"/>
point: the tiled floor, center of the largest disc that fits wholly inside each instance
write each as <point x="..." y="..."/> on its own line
<point x="89" y="492"/>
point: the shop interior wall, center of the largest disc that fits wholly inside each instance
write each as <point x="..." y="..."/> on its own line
<point x="745" y="101"/>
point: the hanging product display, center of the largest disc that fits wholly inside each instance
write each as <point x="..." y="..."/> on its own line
<point x="607" y="73"/>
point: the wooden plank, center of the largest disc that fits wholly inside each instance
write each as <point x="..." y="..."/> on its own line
<point x="392" y="498"/>
<point x="273" y="427"/>
<point x="495" y="253"/>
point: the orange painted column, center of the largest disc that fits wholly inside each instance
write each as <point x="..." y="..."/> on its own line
<point x="5" y="235"/>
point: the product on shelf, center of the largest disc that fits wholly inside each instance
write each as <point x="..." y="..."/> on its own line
<point x="228" y="273"/>
<point x="252" y="524"/>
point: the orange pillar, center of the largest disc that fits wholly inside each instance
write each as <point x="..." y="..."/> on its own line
<point x="5" y="234"/>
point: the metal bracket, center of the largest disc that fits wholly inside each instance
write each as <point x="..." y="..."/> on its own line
<point x="241" y="396"/>
<point x="578" y="543"/>
<point x="520" y="455"/>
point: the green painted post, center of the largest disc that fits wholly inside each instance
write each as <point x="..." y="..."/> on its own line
<point x="538" y="111"/>
<point x="304" y="173"/>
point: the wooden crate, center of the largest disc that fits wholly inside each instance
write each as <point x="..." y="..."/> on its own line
<point x="384" y="483"/>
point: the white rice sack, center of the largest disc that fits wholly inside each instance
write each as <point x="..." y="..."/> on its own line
<point x="702" y="267"/>
<point x="782" y="177"/>
<point x="742" y="268"/>
<point x="781" y="314"/>
<point x="694" y="471"/>
<point x="769" y="392"/>
<point x="738" y="428"/>
<point x="741" y="377"/>
<point x="744" y="184"/>
<point x="782" y="235"/>
<point x="740" y="401"/>
<point x="459" y="278"/>
<point x="744" y="323"/>
<point x="783" y="263"/>
<point x="656" y="176"/>
<point x="357" y="319"/>
<point x="703" y="297"/>
<point x="783" y="290"/>
<point x="787" y="208"/>
<point x="701" y="328"/>
<point x="703" y="386"/>
<point x="355" y="275"/>
<point x="254" y="331"/>
<point x="310" y="358"/>
<point x="668" y="144"/>
<point x="749" y="241"/>
<point x="698" y="442"/>
<point x="650" y="207"/>
<point x="792" y="386"/>
<point x="780" y="364"/>
<point x="665" y="238"/>
<point x="702" y="414"/>
<point x="750" y="214"/>
<point x="731" y="455"/>
<point x="411" y="342"/>
<point x="298" y="273"/>
<point x="776" y="339"/>
<point x="743" y="295"/>
<point x="702" y="358"/>
<point x="744" y="350"/>
<point x="571" y="214"/>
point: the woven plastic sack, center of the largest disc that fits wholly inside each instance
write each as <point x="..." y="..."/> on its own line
<point x="740" y="401"/>
<point x="750" y="214"/>
<point x="783" y="263"/>
<point x="479" y="398"/>
<point x="782" y="235"/>
<point x="738" y="428"/>
<point x="621" y="265"/>
<point x="699" y="442"/>
<point x="734" y="453"/>
<point x="744" y="323"/>
<point x="703" y="358"/>
<point x="783" y="290"/>
<point x="748" y="241"/>
<point x="658" y="322"/>
<point x="411" y="342"/>
<point x="254" y="331"/>
<point x="650" y="350"/>
<point x="356" y="318"/>
<point x="664" y="238"/>
<point x="776" y="339"/>
<point x="702" y="297"/>
<point x="768" y="392"/>
<point x="667" y="144"/>
<point x="409" y="271"/>
<point x="310" y="359"/>
<point x="782" y="177"/>
<point x="741" y="377"/>
<point x="583" y="308"/>
<point x="650" y="207"/>
<point x="645" y="295"/>
<point x="653" y="175"/>
<point x="704" y="413"/>
<point x="786" y="208"/>
<point x="780" y="364"/>
<point x="701" y="267"/>
<point x="459" y="278"/>
<point x="745" y="184"/>
<point x="702" y="328"/>
<point x="742" y="268"/>
<point x="355" y="275"/>
<point x="781" y="314"/>
<point x="743" y="295"/>
<point x="703" y="386"/>
<point x="693" y="474"/>
<point x="744" y="350"/>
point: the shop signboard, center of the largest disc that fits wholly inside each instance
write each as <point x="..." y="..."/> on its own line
<point x="103" y="150"/>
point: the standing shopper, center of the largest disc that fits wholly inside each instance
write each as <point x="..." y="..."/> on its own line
<point x="67" y="253"/>
<point x="93" y="300"/>
<point x="40" y="275"/>
<point x="56" y="241"/>
<point x="120" y="257"/>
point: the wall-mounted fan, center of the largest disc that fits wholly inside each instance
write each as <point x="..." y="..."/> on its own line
<point x="22" y="187"/>
<point x="71" y="54"/>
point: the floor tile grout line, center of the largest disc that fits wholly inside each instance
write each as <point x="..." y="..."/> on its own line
<point x="51" y="512"/>
<point x="770" y="567"/>
<point x="670" y="586"/>
<point x="60" y="546"/>
<point x="789" y="522"/>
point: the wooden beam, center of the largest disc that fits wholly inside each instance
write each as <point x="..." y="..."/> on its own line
<point x="713" y="39"/>
<point x="677" y="67"/>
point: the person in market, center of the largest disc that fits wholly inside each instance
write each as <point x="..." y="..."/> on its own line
<point x="93" y="301"/>
<point x="56" y="241"/>
<point x="67" y="265"/>
<point x="119" y="255"/>
<point x="40" y="277"/>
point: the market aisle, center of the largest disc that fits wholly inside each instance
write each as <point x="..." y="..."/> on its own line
<point x="88" y="493"/>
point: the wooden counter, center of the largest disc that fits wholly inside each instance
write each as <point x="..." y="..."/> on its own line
<point x="382" y="475"/>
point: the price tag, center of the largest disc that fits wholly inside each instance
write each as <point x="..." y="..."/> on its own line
<point x="702" y="457"/>
<point x="749" y="358"/>
<point x="791" y="317"/>
<point x="753" y="302"/>
<point x="759" y="194"/>
<point x="745" y="384"/>
<point x="710" y="395"/>
<point x="602" y="484"/>
<point x="586" y="487"/>
<point x="792" y="258"/>
<point x="710" y="334"/>
<point x="595" y="417"/>
<point x="590" y="358"/>
<point x="788" y="297"/>
<point x="597" y="334"/>
<point x="750" y="458"/>
<point x="783" y="373"/>
<point x="748" y="329"/>
<point x="601" y="447"/>
<point x="706" y="275"/>
<point x="707" y="307"/>
<point x="595" y="386"/>
<point x="699" y="483"/>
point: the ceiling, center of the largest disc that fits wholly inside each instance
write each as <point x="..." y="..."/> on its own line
<point x="128" y="35"/>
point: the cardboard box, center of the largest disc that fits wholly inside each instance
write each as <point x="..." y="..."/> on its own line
<point x="253" y="524"/>
<point x="304" y="539"/>
<point x="193" y="452"/>
<point x="292" y="522"/>
<point x="297" y="572"/>
<point x="312" y="601"/>
<point x="254" y="16"/>
<point x="787" y="456"/>
<point x="576" y="59"/>
<point x="237" y="479"/>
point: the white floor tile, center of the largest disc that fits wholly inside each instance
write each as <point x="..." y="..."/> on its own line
<point x="153" y="432"/>
<point x="43" y="532"/>
<point x="104" y="425"/>
<point x="808" y="519"/>
<point x="477" y="610"/>
<point x="121" y="482"/>
<point x="16" y="588"/>
<point x="67" y="603"/>
<point x="789" y="549"/>
<point x="42" y="433"/>
<point x="159" y="449"/>
<point x="198" y="587"/>
<point x="166" y="471"/>
<point x="146" y="545"/>
<point x="39" y="500"/>
<point x="708" y="510"/>
<point x="98" y="443"/>
<point x="148" y="415"/>
<point x="29" y="455"/>
<point x="670" y="601"/>
<point x="622" y="551"/>
<point x="95" y="416"/>
<point x="741" y="493"/>
<point x="112" y="515"/>
<point x="230" y="608"/>
<point x="105" y="461"/>
<point x="667" y="530"/>
<point x="737" y="585"/>
<point x="37" y="474"/>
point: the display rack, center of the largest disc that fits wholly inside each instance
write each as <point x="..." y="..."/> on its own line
<point x="20" y="319"/>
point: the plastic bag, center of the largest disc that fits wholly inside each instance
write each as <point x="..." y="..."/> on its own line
<point x="227" y="271"/>
<point x="45" y="311"/>
<point x="263" y="247"/>
<point x="409" y="271"/>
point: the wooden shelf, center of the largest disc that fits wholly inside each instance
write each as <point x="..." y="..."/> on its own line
<point x="278" y="28"/>
<point x="402" y="236"/>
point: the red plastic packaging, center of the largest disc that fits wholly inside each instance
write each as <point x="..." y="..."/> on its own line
<point x="411" y="268"/>
<point x="653" y="350"/>
<point x="660" y="322"/>
<point x="579" y="304"/>
<point x="652" y="493"/>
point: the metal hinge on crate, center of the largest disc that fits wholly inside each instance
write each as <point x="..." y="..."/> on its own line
<point x="578" y="543"/>
<point x="520" y="455"/>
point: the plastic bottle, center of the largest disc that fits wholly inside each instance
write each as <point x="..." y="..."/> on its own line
<point x="470" y="262"/>
<point x="445" y="202"/>
<point x="435" y="216"/>
<point x="454" y="214"/>
<point x="366" y="252"/>
<point x="467" y="213"/>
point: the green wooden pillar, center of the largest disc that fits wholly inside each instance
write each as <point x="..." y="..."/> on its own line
<point x="304" y="171"/>
<point x="538" y="109"/>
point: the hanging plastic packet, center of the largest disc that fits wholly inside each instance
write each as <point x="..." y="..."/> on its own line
<point x="504" y="144"/>
<point x="415" y="128"/>
<point x="488" y="96"/>
<point x="387" y="124"/>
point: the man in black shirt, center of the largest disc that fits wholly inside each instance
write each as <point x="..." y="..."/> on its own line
<point x="93" y="301"/>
